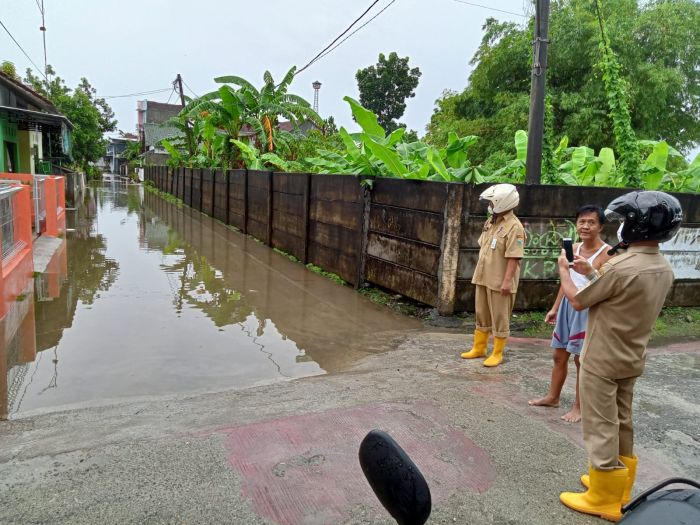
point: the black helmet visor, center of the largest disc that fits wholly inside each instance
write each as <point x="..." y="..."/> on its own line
<point x="612" y="215"/>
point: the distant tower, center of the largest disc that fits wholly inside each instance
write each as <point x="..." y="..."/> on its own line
<point x="317" y="88"/>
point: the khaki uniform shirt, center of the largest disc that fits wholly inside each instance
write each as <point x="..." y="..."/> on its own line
<point x="624" y="303"/>
<point x="500" y="240"/>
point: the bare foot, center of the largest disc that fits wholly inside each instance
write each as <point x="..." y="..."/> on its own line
<point x="546" y="401"/>
<point x="572" y="416"/>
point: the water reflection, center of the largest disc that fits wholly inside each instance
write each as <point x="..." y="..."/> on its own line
<point x="149" y="299"/>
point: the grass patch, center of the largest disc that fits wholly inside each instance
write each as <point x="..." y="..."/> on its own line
<point x="310" y="266"/>
<point x="674" y="324"/>
<point x="287" y="255"/>
<point x="677" y="323"/>
<point x="149" y="186"/>
<point x="397" y="302"/>
<point x="21" y="297"/>
<point x="36" y="274"/>
<point x="333" y="277"/>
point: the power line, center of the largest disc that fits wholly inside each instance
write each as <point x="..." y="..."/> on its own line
<point x="491" y="8"/>
<point x="337" y="38"/>
<point x="141" y="93"/>
<point x="39" y="6"/>
<point x="190" y="89"/>
<point x="355" y="31"/>
<point x="170" y="96"/>
<point x="23" y="51"/>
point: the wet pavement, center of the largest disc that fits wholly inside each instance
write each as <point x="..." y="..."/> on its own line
<point x="148" y="299"/>
<point x="285" y="452"/>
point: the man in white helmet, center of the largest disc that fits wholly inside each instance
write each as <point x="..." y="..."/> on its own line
<point x="496" y="276"/>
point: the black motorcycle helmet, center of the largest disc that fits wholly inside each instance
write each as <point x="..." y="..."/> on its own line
<point x="647" y="216"/>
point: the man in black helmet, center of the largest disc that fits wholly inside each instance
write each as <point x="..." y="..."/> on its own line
<point x="624" y="297"/>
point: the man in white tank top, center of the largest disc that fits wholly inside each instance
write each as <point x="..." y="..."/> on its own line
<point x="570" y="325"/>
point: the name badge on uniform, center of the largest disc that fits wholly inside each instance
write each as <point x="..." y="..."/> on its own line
<point x="493" y="243"/>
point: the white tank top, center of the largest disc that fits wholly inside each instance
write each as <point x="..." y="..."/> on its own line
<point x="581" y="280"/>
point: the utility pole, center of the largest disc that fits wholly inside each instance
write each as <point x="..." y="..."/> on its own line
<point x="188" y="131"/>
<point x="43" y="32"/>
<point x="535" y="127"/>
<point x="178" y="80"/>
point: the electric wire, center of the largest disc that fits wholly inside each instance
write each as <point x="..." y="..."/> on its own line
<point x="190" y="89"/>
<point x="490" y="8"/>
<point x="355" y="31"/>
<point x="171" y="94"/>
<point x="39" y="6"/>
<point x="338" y="37"/>
<point x="140" y="93"/>
<point x="23" y="51"/>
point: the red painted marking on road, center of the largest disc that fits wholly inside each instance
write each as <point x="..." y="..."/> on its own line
<point x="304" y="469"/>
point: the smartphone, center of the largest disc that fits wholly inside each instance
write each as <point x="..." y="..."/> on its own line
<point x="568" y="246"/>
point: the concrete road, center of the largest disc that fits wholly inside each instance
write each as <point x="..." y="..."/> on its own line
<point x="287" y="453"/>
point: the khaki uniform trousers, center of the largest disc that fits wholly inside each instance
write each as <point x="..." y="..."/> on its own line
<point x="606" y="417"/>
<point x="493" y="311"/>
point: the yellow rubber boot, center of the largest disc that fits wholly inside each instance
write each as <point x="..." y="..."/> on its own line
<point x="499" y="344"/>
<point x="479" y="347"/>
<point x="631" y="464"/>
<point x="603" y="498"/>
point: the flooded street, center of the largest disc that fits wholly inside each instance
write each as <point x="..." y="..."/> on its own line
<point x="147" y="299"/>
<point x="176" y="316"/>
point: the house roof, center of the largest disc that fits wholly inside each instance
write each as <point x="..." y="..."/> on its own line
<point x="35" y="120"/>
<point x="32" y="111"/>
<point x="28" y="94"/>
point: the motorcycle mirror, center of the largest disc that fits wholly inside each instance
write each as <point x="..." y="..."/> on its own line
<point x="396" y="481"/>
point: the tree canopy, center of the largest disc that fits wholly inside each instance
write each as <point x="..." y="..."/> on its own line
<point x="657" y="44"/>
<point x="384" y="88"/>
<point x="90" y="114"/>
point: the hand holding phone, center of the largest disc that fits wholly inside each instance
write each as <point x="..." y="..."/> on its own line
<point x="568" y="246"/>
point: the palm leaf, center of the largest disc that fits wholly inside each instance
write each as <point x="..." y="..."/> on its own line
<point x="237" y="81"/>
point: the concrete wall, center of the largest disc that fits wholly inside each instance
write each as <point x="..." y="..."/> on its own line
<point x="417" y="238"/>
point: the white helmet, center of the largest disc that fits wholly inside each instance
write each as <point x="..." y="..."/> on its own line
<point x="503" y="197"/>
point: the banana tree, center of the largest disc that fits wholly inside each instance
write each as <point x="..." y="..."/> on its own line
<point x="372" y="152"/>
<point x="514" y="171"/>
<point x="266" y="105"/>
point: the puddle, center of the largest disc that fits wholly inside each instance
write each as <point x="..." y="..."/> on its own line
<point x="147" y="299"/>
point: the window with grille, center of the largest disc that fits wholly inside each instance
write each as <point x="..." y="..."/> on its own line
<point x="7" y="225"/>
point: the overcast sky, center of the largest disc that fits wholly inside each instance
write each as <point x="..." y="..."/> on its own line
<point x="131" y="46"/>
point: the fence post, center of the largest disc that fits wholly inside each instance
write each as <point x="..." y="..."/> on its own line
<point x="306" y="218"/>
<point x="245" y="202"/>
<point x="270" y="175"/>
<point x="227" y="176"/>
<point x="364" y="232"/>
<point x="212" y="197"/>
<point x="201" y="188"/>
<point x="449" y="249"/>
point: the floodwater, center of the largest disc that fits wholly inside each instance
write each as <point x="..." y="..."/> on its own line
<point x="147" y="299"/>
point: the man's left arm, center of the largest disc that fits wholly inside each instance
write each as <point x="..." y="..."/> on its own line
<point x="515" y="249"/>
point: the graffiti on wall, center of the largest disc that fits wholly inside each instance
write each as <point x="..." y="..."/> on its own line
<point x="543" y="246"/>
<point x="683" y="253"/>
